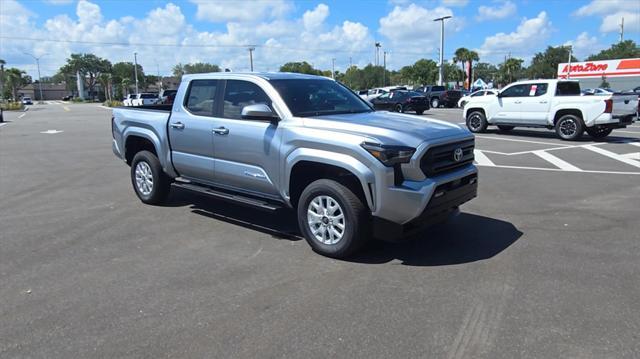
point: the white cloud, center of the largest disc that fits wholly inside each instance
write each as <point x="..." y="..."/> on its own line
<point x="584" y="45"/>
<point x="241" y="11"/>
<point x="455" y="2"/>
<point x="59" y="2"/>
<point x="278" y="40"/>
<point x="612" y="12"/>
<point x="529" y="36"/>
<point x="312" y="19"/>
<point x="496" y="12"/>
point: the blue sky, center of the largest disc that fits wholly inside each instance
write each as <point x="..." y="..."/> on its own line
<point x="314" y="31"/>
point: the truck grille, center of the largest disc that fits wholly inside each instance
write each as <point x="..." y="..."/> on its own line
<point x="440" y="159"/>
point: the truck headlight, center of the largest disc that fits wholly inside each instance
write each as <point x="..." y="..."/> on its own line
<point x="389" y="155"/>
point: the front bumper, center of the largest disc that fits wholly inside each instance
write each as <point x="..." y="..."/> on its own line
<point x="445" y="200"/>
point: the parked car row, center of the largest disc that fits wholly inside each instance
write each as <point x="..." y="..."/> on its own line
<point x="401" y="101"/>
<point x="149" y="98"/>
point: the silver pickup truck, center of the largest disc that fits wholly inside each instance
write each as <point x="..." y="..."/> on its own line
<point x="276" y="140"/>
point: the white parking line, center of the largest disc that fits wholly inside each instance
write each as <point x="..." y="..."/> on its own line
<point x="632" y="156"/>
<point x="3" y="124"/>
<point x="482" y="159"/>
<point x="21" y="116"/>
<point x="560" y="163"/>
<point x="559" y="170"/>
<point x="515" y="140"/>
<point x="634" y="144"/>
<point x="613" y="155"/>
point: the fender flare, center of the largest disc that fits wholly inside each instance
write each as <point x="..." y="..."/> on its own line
<point x="163" y="153"/>
<point x="349" y="163"/>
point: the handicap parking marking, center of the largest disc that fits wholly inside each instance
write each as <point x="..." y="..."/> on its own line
<point x="613" y="155"/>
<point x="482" y="159"/>
<point x="558" y="162"/>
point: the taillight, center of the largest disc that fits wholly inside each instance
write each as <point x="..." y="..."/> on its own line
<point x="608" y="106"/>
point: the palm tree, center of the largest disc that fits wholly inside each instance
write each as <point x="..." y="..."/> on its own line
<point x="2" y="63"/>
<point x="471" y="57"/>
<point x="460" y="56"/>
<point x="126" y="83"/>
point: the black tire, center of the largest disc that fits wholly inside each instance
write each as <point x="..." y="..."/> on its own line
<point x="506" y="128"/>
<point x="419" y="112"/>
<point x="569" y="127"/>
<point x="161" y="183"/>
<point x="356" y="224"/>
<point x="476" y="122"/>
<point x="398" y="108"/>
<point x="599" y="132"/>
<point x="435" y="102"/>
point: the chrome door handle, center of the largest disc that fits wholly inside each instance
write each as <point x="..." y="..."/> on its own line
<point x="518" y="102"/>
<point x="178" y="125"/>
<point x="543" y="101"/>
<point x="221" y="131"/>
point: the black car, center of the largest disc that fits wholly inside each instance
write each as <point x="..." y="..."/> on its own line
<point x="401" y="101"/>
<point x="440" y="96"/>
<point x="67" y="98"/>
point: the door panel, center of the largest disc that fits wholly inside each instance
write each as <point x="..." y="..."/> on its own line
<point x="510" y="104"/>
<point x="246" y="151"/>
<point x="190" y="131"/>
<point x="535" y="106"/>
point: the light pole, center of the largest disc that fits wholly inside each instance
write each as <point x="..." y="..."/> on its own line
<point x="441" y="67"/>
<point x="135" y="69"/>
<point x="251" y="49"/>
<point x="39" y="79"/>
<point x="384" y="69"/>
<point x="333" y="68"/>
<point x="378" y="46"/>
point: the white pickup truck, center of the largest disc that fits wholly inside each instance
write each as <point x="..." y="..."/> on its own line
<point x="552" y="104"/>
<point x="144" y="99"/>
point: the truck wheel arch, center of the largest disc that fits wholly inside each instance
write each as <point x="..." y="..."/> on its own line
<point x="567" y="111"/>
<point x="307" y="165"/>
<point x="135" y="143"/>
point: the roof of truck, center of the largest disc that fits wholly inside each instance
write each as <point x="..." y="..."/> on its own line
<point x="264" y="75"/>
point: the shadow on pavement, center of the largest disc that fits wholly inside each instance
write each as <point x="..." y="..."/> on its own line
<point x="550" y="134"/>
<point x="463" y="239"/>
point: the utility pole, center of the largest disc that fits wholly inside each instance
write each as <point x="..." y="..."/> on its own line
<point x="333" y="68"/>
<point x="569" y="67"/>
<point x="622" y="30"/>
<point x="39" y="79"/>
<point x="251" y="48"/>
<point x="350" y="62"/>
<point x="441" y="67"/>
<point x="378" y="46"/>
<point x="135" y="69"/>
<point x="1" y="80"/>
<point x="384" y="68"/>
<point x="159" y="78"/>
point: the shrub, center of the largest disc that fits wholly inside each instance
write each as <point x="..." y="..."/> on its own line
<point x="112" y="103"/>
<point x="77" y="99"/>
<point x="12" y="106"/>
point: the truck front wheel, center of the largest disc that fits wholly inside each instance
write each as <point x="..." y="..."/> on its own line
<point x="149" y="181"/>
<point x="333" y="220"/>
<point x="476" y="122"/>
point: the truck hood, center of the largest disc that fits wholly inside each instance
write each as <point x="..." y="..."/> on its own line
<point x="388" y="127"/>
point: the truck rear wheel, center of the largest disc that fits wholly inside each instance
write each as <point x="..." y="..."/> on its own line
<point x="569" y="127"/>
<point x="435" y="102"/>
<point x="149" y="181"/>
<point x="476" y="122"/>
<point x="599" y="132"/>
<point x="333" y="220"/>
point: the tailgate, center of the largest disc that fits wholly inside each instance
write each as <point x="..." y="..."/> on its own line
<point x="624" y="105"/>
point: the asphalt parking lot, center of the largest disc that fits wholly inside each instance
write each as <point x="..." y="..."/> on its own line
<point x="544" y="263"/>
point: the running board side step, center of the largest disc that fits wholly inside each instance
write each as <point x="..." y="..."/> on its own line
<point x="236" y="198"/>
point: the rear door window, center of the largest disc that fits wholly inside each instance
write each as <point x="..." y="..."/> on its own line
<point x="201" y="97"/>
<point x="568" y="88"/>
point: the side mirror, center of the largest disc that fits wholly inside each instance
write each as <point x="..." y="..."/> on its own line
<point x="258" y="112"/>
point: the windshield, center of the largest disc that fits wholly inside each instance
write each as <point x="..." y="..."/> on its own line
<point x="306" y="98"/>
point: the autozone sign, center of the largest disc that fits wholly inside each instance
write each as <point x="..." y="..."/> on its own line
<point x="608" y="68"/>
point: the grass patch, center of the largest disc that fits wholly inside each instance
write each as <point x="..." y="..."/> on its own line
<point x="112" y="103"/>
<point x="12" y="106"/>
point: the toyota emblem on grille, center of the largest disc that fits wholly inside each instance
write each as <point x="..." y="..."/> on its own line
<point x="457" y="154"/>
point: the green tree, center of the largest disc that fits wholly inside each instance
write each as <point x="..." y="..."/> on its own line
<point x="604" y="83"/>
<point x="194" y="68"/>
<point x="485" y="71"/>
<point x="464" y="56"/>
<point x="452" y="72"/>
<point x="622" y="50"/>
<point x="122" y="71"/>
<point x="14" y="79"/>
<point x="89" y="66"/>
<point x="510" y="70"/>
<point x="544" y="65"/>
<point x="300" y="67"/>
